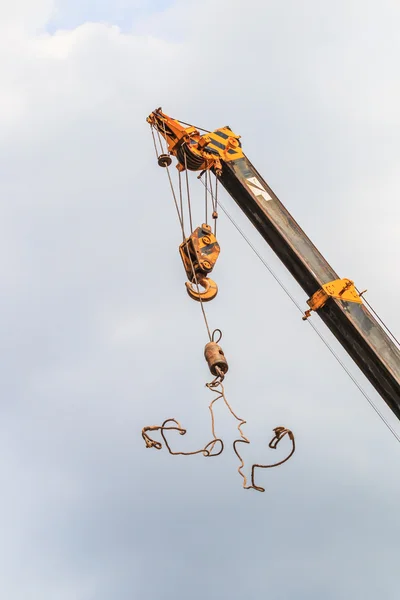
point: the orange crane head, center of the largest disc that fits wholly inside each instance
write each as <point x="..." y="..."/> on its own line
<point x="194" y="151"/>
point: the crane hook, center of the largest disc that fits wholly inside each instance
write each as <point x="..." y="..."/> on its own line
<point x="210" y="289"/>
<point x="199" y="253"/>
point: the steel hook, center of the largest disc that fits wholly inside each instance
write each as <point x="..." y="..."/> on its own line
<point x="210" y="289"/>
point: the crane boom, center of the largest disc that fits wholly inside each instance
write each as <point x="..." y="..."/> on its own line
<point x="348" y="319"/>
<point x="351" y="323"/>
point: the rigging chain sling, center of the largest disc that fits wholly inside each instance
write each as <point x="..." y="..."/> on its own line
<point x="199" y="253"/>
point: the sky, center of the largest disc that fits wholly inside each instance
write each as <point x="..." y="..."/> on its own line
<point x="99" y="337"/>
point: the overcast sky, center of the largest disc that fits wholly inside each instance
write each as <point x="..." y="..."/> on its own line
<point x="99" y="338"/>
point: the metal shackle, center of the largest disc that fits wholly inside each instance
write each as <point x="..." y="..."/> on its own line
<point x="215" y="358"/>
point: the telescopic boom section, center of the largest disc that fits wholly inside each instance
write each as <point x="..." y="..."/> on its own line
<point x="335" y="300"/>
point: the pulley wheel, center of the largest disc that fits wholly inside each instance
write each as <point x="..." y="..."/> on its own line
<point x="164" y="160"/>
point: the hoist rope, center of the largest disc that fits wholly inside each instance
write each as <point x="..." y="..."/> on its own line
<point x="206" y="199"/>
<point x="188" y="253"/>
<point x="188" y="194"/>
<point x="180" y="203"/>
<point x="181" y="222"/>
<point x="216" y="386"/>
<point x="320" y="335"/>
<point x="150" y="443"/>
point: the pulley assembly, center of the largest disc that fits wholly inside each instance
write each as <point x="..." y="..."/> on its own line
<point x="199" y="254"/>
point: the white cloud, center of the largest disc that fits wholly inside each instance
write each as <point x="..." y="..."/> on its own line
<point x="22" y="18"/>
<point x="99" y="337"/>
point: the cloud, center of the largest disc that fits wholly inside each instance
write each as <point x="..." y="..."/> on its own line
<point x="99" y="337"/>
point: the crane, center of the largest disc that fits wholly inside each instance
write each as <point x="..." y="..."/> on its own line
<point x="337" y="301"/>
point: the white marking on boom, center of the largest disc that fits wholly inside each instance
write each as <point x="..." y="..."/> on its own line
<point x="257" y="189"/>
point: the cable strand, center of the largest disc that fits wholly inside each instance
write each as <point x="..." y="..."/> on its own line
<point x="180" y="217"/>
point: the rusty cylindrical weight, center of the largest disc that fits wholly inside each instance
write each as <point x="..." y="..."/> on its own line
<point x="215" y="358"/>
